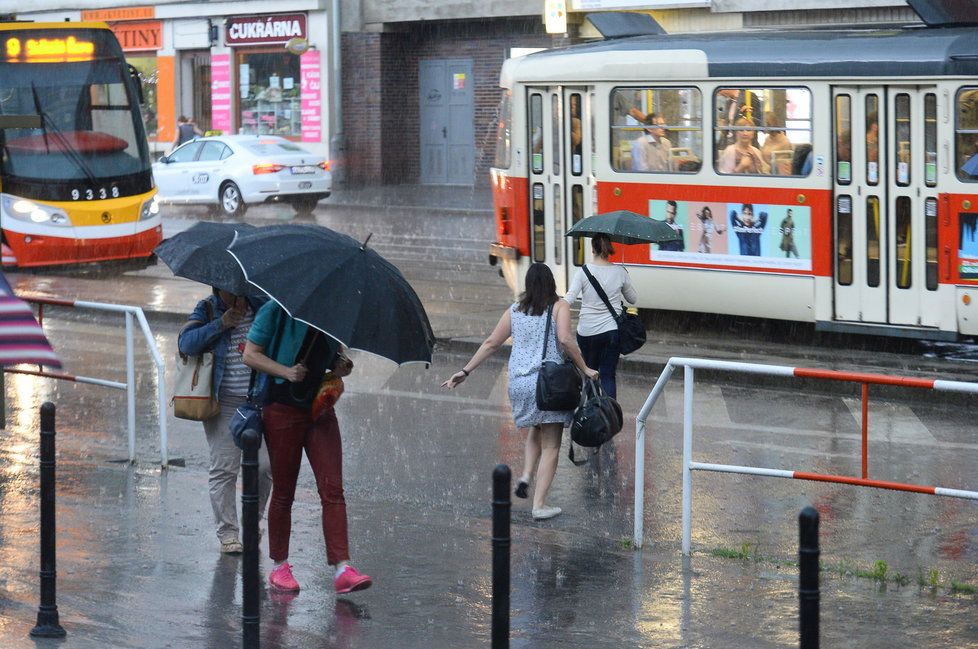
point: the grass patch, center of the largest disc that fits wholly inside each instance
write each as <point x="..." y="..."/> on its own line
<point x="625" y="543"/>
<point x="878" y="572"/>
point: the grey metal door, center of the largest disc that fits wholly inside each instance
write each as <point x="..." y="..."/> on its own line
<point x="447" y="128"/>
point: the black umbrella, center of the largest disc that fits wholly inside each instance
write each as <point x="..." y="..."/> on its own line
<point x="623" y="226"/>
<point x="339" y="286"/>
<point x="200" y="253"/>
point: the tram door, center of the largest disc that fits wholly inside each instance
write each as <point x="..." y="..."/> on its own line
<point x="558" y="135"/>
<point x="884" y="165"/>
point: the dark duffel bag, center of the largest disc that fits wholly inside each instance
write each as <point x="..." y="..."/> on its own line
<point x="597" y="419"/>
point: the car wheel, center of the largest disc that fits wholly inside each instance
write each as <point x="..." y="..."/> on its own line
<point x="304" y="206"/>
<point x="230" y="201"/>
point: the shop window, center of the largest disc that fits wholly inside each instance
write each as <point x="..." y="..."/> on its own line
<point x="656" y="130"/>
<point x="763" y="131"/>
<point x="269" y="94"/>
<point x="148" y="75"/>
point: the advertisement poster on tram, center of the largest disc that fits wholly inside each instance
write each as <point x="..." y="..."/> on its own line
<point x="968" y="250"/>
<point x="774" y="237"/>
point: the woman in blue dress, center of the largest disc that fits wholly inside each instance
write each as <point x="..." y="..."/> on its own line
<point x="526" y="322"/>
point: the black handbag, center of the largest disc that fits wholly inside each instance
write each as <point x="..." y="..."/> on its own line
<point x="558" y="382"/>
<point x="597" y="419"/>
<point x="631" y="331"/>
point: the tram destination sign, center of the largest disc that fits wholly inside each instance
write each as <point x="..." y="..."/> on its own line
<point x="276" y="28"/>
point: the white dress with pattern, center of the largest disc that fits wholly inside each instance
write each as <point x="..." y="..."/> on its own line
<point x="524" y="366"/>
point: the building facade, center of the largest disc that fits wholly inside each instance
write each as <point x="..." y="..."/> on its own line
<point x="403" y="92"/>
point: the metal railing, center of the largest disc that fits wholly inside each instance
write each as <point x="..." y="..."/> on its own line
<point x="130" y="313"/>
<point x="691" y="364"/>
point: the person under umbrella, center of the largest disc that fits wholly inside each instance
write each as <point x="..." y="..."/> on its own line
<point x="297" y="358"/>
<point x="219" y="324"/>
<point x="597" y="330"/>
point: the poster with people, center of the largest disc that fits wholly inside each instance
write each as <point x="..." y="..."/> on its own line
<point x="735" y="234"/>
<point x="968" y="250"/>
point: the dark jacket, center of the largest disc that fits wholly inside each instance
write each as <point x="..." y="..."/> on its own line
<point x="201" y="335"/>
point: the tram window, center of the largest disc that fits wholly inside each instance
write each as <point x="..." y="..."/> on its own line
<point x="930" y="139"/>
<point x="503" y="137"/>
<point x="843" y="139"/>
<point x="872" y="241"/>
<point x="966" y="134"/>
<point x="930" y="243"/>
<point x="901" y="154"/>
<point x="539" y="230"/>
<point x="577" y="213"/>
<point x="576" y="135"/>
<point x="558" y="223"/>
<point x="555" y="128"/>
<point x="904" y="251"/>
<point x="657" y="130"/>
<point x="762" y="131"/>
<point x="536" y="133"/>
<point x="843" y="240"/>
<point x="872" y="139"/>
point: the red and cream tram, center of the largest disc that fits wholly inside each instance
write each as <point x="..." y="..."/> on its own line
<point x="822" y="176"/>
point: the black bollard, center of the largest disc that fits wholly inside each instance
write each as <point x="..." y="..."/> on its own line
<point x="47" y="614"/>
<point x="501" y="479"/>
<point x="250" y="596"/>
<point x="808" y="596"/>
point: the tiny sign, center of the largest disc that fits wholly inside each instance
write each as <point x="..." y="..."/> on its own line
<point x="458" y="81"/>
<point x="555" y="16"/>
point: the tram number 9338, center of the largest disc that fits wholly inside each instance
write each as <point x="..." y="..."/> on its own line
<point x="94" y="194"/>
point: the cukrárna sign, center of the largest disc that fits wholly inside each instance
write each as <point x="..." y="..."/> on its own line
<point x="277" y="28"/>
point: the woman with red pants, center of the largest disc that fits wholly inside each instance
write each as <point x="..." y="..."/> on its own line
<point x="296" y="357"/>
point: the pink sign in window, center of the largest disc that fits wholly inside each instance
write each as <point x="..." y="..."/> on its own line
<point x="221" y="92"/>
<point x="309" y="73"/>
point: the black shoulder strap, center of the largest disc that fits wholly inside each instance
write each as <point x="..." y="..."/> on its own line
<point x="546" y="333"/>
<point x="601" y="293"/>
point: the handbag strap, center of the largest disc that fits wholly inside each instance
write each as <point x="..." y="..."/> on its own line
<point x="546" y="333"/>
<point x="600" y="291"/>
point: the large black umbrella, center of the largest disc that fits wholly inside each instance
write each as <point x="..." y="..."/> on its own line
<point x="339" y="286"/>
<point x="623" y="226"/>
<point x="200" y="253"/>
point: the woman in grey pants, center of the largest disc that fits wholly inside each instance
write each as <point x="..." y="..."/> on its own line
<point x="219" y="324"/>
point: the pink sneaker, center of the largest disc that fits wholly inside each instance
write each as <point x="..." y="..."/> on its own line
<point x="350" y="580"/>
<point x="281" y="578"/>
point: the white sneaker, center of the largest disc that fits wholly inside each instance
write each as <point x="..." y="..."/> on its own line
<point x="544" y="513"/>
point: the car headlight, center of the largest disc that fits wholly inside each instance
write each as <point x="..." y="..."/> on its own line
<point x="23" y="209"/>
<point x="150" y="208"/>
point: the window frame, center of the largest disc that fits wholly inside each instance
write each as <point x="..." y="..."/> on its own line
<point x="612" y="127"/>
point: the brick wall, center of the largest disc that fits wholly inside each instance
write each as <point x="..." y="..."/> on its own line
<point x="380" y="91"/>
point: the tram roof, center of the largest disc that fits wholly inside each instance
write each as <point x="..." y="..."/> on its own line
<point x="908" y="52"/>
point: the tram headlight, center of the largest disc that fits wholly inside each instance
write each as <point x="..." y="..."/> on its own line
<point x="27" y="210"/>
<point x="150" y="208"/>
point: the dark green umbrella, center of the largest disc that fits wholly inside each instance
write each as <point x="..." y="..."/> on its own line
<point x="623" y="226"/>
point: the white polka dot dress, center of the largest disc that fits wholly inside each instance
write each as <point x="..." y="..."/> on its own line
<point x="524" y="366"/>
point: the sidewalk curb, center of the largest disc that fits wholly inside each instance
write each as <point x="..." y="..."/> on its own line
<point x="425" y="208"/>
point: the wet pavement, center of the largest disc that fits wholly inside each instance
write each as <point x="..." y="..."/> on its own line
<point x="138" y="561"/>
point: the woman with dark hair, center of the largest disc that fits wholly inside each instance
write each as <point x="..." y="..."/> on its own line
<point x="526" y="322"/>
<point x="597" y="330"/>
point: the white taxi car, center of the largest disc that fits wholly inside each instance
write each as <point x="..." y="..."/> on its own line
<point x="234" y="171"/>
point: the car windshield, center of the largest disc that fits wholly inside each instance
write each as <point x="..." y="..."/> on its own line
<point x="271" y="147"/>
<point x="89" y="125"/>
